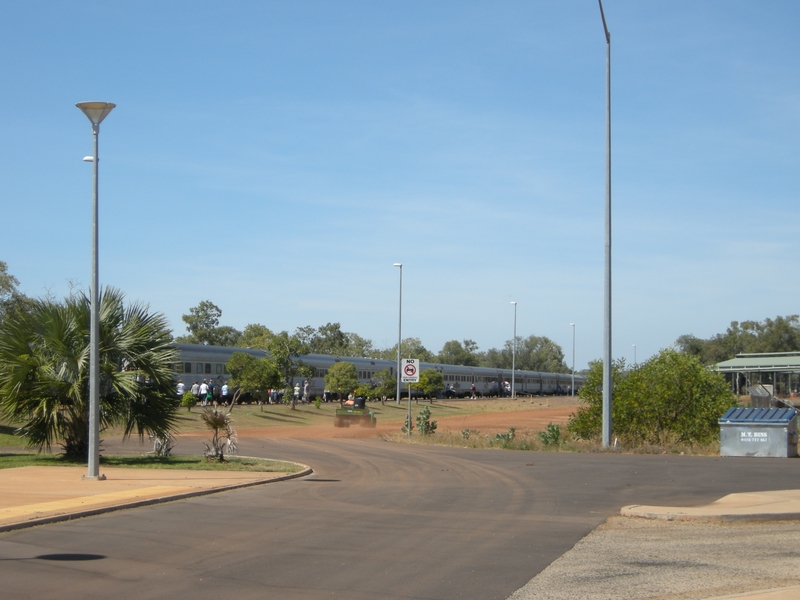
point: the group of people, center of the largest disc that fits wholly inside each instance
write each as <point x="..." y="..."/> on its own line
<point x="206" y="392"/>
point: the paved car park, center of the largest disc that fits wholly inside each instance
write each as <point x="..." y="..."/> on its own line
<point x="374" y="520"/>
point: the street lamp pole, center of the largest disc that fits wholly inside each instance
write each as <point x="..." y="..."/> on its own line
<point x="399" y="328"/>
<point x="634" y="355"/>
<point x="514" y="356"/>
<point x="607" y="384"/>
<point x="96" y="112"/>
<point x="573" y="358"/>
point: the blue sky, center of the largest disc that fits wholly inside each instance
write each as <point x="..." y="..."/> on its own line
<point x="277" y="157"/>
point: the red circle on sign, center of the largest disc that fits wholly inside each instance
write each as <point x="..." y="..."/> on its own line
<point x="410" y="370"/>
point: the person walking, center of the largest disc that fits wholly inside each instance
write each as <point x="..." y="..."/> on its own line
<point x="305" y="392"/>
<point x="225" y="393"/>
<point x="295" y="394"/>
<point x="181" y="389"/>
<point x="472" y="391"/>
<point x="203" y="393"/>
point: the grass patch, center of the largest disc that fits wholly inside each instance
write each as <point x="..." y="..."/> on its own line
<point x="200" y="463"/>
<point x="7" y="437"/>
<point x="533" y="441"/>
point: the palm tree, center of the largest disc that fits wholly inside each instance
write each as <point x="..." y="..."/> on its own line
<point x="44" y="371"/>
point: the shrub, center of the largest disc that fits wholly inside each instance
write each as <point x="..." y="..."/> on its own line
<point x="551" y="436"/>
<point x="224" y="437"/>
<point x="465" y="433"/>
<point x="188" y="400"/>
<point x="424" y="424"/>
<point x="671" y="398"/>
<point x="504" y="439"/>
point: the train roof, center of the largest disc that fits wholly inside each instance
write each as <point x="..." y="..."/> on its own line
<point x="223" y="352"/>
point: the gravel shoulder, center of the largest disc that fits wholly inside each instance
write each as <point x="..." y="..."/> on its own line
<point x="627" y="558"/>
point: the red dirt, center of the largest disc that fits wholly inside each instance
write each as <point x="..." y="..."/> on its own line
<point x="532" y="419"/>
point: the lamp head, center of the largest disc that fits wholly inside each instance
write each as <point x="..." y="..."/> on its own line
<point x="96" y="111"/>
<point x="397" y="265"/>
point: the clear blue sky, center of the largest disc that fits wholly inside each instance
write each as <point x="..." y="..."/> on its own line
<point x="277" y="157"/>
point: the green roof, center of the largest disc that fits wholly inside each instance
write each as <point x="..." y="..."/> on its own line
<point x="786" y="362"/>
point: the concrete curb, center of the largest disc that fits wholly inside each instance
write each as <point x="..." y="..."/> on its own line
<point x="182" y="496"/>
<point x="776" y="505"/>
<point x="642" y="512"/>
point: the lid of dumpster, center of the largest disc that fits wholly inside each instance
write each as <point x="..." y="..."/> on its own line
<point x="759" y="415"/>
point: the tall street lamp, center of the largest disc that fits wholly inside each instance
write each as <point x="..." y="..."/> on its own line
<point x="96" y="112"/>
<point x="634" y="355"/>
<point x="607" y="385"/>
<point x="399" y="328"/>
<point x="514" y="356"/>
<point x="573" y="358"/>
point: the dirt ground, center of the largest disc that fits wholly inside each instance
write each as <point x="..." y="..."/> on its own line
<point x="535" y="416"/>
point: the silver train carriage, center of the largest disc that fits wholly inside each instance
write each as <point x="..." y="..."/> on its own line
<point x="198" y="362"/>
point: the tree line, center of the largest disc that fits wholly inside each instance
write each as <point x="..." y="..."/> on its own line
<point x="533" y="353"/>
<point x="781" y="334"/>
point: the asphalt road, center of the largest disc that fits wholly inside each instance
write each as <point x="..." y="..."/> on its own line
<point x="375" y="520"/>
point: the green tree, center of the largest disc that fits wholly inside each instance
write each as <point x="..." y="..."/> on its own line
<point x="534" y="353"/>
<point x="284" y="350"/>
<point x="331" y="340"/>
<point x="410" y="348"/>
<point x="781" y="334"/>
<point x="251" y="375"/>
<point x="202" y="322"/>
<point x="255" y="336"/>
<point x="359" y="346"/>
<point x="341" y="378"/>
<point x="454" y="353"/>
<point x="44" y="371"/>
<point x="431" y="382"/>
<point x="385" y="383"/>
<point x="670" y="398"/>
<point x="11" y="299"/>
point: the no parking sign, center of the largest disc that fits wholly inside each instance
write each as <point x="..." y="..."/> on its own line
<point x="410" y="370"/>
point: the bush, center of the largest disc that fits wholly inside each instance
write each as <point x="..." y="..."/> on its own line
<point x="504" y="440"/>
<point x="551" y="436"/>
<point x="424" y="424"/>
<point x="671" y="398"/>
<point x="188" y="400"/>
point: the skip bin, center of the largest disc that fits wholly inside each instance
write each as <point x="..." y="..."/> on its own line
<point x="758" y="432"/>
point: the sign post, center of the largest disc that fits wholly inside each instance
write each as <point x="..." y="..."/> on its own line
<point x="409" y="375"/>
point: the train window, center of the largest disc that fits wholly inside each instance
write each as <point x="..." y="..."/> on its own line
<point x="225" y="369"/>
<point x="199" y="368"/>
<point x="179" y="367"/>
<point x="187" y="367"/>
<point x="208" y="368"/>
<point x="219" y="369"/>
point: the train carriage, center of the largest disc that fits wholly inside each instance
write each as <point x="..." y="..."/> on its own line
<point x="198" y="362"/>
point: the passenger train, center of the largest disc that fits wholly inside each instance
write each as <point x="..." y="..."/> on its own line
<point x="198" y="362"/>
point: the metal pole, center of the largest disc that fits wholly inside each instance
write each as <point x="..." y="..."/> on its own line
<point x="94" y="329"/>
<point x="607" y="372"/>
<point x="514" y="356"/>
<point x="400" y="332"/>
<point x="409" y="411"/>
<point x="573" y="359"/>
<point x="634" y="356"/>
